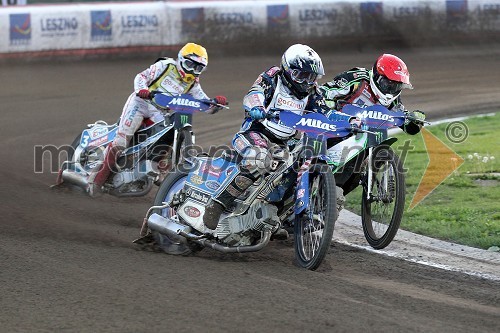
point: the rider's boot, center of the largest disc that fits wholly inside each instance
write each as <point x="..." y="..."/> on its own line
<point x="101" y="173"/>
<point x="218" y="204"/>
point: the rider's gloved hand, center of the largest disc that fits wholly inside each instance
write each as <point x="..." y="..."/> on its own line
<point x="417" y="116"/>
<point x="257" y="112"/>
<point x="144" y="94"/>
<point x="222" y="100"/>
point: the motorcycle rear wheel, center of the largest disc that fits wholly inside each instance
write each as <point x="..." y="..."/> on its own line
<point x="172" y="184"/>
<point x="382" y="213"/>
<point x="88" y="159"/>
<point x="313" y="228"/>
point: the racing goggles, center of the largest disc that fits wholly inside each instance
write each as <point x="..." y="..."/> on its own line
<point x="192" y="66"/>
<point x="387" y="86"/>
<point x="301" y="77"/>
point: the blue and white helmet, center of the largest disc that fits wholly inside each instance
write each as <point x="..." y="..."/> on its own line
<point x="301" y="67"/>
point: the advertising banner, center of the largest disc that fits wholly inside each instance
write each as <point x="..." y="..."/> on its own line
<point x="91" y="26"/>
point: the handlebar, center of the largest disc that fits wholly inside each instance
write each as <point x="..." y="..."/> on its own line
<point x="356" y="130"/>
<point x="416" y="120"/>
<point x="153" y="93"/>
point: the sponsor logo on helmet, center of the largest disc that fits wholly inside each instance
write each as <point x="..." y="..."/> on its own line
<point x="192" y="211"/>
<point x="317" y="124"/>
<point x="375" y="115"/>
<point x="184" y="102"/>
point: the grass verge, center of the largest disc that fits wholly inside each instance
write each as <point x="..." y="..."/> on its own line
<point x="465" y="208"/>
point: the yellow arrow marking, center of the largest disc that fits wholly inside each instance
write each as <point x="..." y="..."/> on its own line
<point x="442" y="162"/>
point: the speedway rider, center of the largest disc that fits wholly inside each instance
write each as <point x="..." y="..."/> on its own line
<point x="381" y="85"/>
<point x="179" y="76"/>
<point x="292" y="86"/>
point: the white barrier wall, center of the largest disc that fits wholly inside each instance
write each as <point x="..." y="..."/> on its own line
<point x="111" y="25"/>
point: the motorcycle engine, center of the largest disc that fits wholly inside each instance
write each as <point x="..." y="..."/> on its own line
<point x="243" y="229"/>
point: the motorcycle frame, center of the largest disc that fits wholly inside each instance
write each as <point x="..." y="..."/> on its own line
<point x="372" y="142"/>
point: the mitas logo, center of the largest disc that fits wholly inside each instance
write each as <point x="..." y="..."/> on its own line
<point x="317" y="124"/>
<point x="185" y="102"/>
<point x="375" y="115"/>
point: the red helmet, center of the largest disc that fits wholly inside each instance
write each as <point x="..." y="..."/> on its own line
<point x="388" y="77"/>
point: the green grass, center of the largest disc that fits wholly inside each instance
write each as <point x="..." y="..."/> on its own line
<point x="465" y="208"/>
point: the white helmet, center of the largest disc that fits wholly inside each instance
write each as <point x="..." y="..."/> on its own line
<point x="301" y="66"/>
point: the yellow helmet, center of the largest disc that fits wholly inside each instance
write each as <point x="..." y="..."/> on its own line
<point x="191" y="61"/>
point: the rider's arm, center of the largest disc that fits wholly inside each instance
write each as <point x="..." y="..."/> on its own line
<point x="317" y="102"/>
<point x="262" y="90"/>
<point x="145" y="78"/>
<point x="409" y="127"/>
<point x="342" y="87"/>
<point x="198" y="93"/>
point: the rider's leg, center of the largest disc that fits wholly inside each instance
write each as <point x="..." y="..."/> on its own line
<point x="253" y="147"/>
<point x="130" y="122"/>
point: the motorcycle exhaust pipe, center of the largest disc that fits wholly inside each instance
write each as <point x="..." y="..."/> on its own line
<point x="181" y="233"/>
<point x="74" y="178"/>
<point x="236" y="249"/>
<point x="168" y="227"/>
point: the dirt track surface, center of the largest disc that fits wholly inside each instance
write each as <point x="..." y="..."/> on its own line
<point x="67" y="262"/>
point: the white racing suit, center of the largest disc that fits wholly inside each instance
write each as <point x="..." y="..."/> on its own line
<point x="161" y="76"/>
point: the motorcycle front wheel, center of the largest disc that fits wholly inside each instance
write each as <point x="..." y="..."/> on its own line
<point x="313" y="228"/>
<point x="382" y="210"/>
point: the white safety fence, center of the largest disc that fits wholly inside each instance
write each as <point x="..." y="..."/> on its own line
<point x="97" y="26"/>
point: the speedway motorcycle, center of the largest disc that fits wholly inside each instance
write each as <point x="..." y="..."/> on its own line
<point x="367" y="159"/>
<point x="297" y="191"/>
<point x="155" y="148"/>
